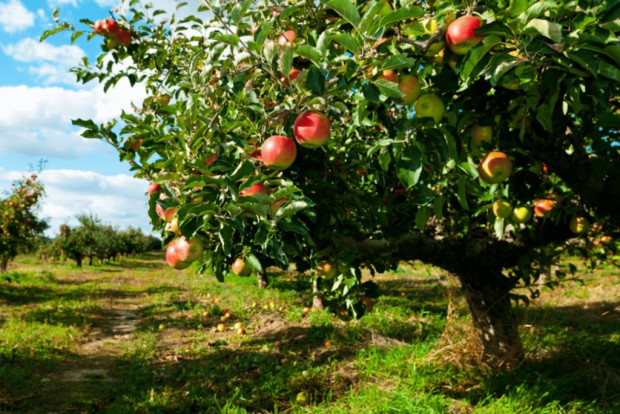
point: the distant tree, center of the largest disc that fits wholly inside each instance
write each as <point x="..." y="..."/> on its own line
<point x="19" y="224"/>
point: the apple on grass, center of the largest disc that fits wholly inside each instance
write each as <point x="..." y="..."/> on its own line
<point x="495" y="167"/>
<point x="461" y="35"/>
<point x="502" y="208"/>
<point x="311" y="129"/>
<point x="278" y="152"/>
<point x="240" y="267"/>
<point x="409" y="85"/>
<point x="429" y="106"/>
<point x="521" y="214"/>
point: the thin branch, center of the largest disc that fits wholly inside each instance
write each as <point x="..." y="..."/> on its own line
<point x="436" y="37"/>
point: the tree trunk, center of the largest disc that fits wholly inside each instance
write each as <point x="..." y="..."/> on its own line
<point x="78" y="260"/>
<point x="3" y="265"/>
<point x="317" y="300"/>
<point x="90" y="260"/>
<point x="263" y="279"/>
<point x="494" y="321"/>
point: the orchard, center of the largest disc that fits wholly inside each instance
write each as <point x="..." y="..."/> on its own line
<point x="341" y="137"/>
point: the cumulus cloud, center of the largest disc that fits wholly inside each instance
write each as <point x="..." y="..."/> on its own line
<point x="118" y="200"/>
<point x="36" y="121"/>
<point x="14" y="17"/>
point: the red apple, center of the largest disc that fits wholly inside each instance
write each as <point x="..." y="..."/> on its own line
<point x="211" y="160"/>
<point x="258" y="188"/>
<point x="240" y="268"/>
<point x="287" y="37"/>
<point x="480" y="134"/>
<point x="172" y="256"/>
<point x="311" y="129"/>
<point x="153" y="187"/>
<point x="390" y="75"/>
<point x="461" y="35"/>
<point x="495" y="167"/>
<point x="110" y="26"/>
<point x="543" y="206"/>
<point x="133" y="144"/>
<point x="409" y="85"/>
<point x="124" y="38"/>
<point x="278" y="152"/>
<point x="98" y="27"/>
<point x="188" y="251"/>
<point x="277" y="204"/>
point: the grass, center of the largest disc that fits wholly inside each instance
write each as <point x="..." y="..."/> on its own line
<point x="135" y="336"/>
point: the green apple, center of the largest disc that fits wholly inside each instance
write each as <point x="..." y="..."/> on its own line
<point x="579" y="225"/>
<point x="495" y="167"/>
<point x="410" y="86"/>
<point x="502" y="208"/>
<point x="430" y="106"/>
<point x="521" y="214"/>
<point x="480" y="134"/>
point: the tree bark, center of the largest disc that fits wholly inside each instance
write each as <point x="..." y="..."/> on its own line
<point x="78" y="260"/>
<point x="263" y="280"/>
<point x="3" y="265"/>
<point x="90" y="260"/>
<point x="494" y="321"/>
<point x="317" y="300"/>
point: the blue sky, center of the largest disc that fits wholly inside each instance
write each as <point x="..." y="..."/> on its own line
<point x="38" y="100"/>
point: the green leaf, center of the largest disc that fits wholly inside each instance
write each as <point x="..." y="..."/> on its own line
<point x="495" y="28"/>
<point x="461" y="194"/>
<point x="422" y="217"/>
<point x="517" y="7"/>
<point x="85" y="123"/>
<point x="546" y="28"/>
<point x="388" y="88"/>
<point x="245" y="169"/>
<point x="536" y="10"/>
<point x="292" y="207"/>
<point x="476" y="54"/>
<point x="346" y="9"/>
<point x="347" y="41"/>
<point x="286" y="62"/>
<point x="226" y="234"/>
<point x="369" y="19"/>
<point x="315" y="81"/>
<point x="409" y="166"/>
<point x="400" y="14"/>
<point x="384" y="159"/>
<point x="309" y="53"/>
<point x="254" y="263"/>
<point x="609" y="71"/>
<point x="398" y="62"/>
<point x="499" y="227"/>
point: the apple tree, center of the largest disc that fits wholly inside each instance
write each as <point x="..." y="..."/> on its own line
<point x="345" y="135"/>
<point x="19" y="224"/>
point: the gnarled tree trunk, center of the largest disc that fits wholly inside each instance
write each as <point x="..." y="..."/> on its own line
<point x="263" y="279"/>
<point x="494" y="320"/>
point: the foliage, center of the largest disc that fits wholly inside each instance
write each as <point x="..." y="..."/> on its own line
<point x="19" y="224"/>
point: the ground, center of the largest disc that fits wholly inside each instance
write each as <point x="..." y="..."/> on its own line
<point x="136" y="336"/>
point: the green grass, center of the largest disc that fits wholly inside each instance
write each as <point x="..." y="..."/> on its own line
<point x="149" y="334"/>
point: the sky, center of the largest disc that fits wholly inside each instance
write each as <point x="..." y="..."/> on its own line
<point x="38" y="100"/>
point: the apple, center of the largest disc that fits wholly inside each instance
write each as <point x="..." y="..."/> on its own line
<point x="240" y="268"/>
<point x="579" y="225"/>
<point x="124" y="38"/>
<point x="287" y="37"/>
<point x="188" y="251"/>
<point x="429" y="106"/>
<point x="390" y="75"/>
<point x="461" y="35"/>
<point x="98" y="27"/>
<point x="327" y="269"/>
<point x="173" y="226"/>
<point x="162" y="100"/>
<point x="480" y="134"/>
<point x="153" y="187"/>
<point x="495" y="167"/>
<point x="278" y="152"/>
<point x="521" y="214"/>
<point x="409" y="85"/>
<point x="311" y="129"/>
<point x="502" y="208"/>
<point x="172" y="256"/>
<point x="543" y="206"/>
<point x="221" y="327"/>
<point x="110" y="26"/>
<point x="292" y="75"/>
<point x="277" y="204"/>
<point x="606" y="239"/>
<point x="165" y="215"/>
<point x="257" y="188"/>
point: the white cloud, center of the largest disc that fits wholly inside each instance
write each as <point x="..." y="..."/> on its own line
<point x="118" y="200"/>
<point x="36" y="121"/>
<point x="14" y="17"/>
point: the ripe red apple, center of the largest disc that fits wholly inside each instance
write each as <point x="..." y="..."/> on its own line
<point x="287" y="37"/>
<point x="257" y="188"/>
<point x="429" y="106"/>
<point x="579" y="225"/>
<point x="327" y="269"/>
<point x="133" y="144"/>
<point x="278" y="152"/>
<point x="153" y="187"/>
<point x="543" y="206"/>
<point x="502" y="208"/>
<point x="409" y="85"/>
<point x="460" y="35"/>
<point x="495" y="167"/>
<point x="521" y="214"/>
<point x="188" y="251"/>
<point x="172" y="256"/>
<point x="390" y="75"/>
<point x="311" y="129"/>
<point x="110" y="26"/>
<point x="124" y="38"/>
<point x="98" y="27"/>
<point x="480" y="134"/>
<point x="240" y="268"/>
